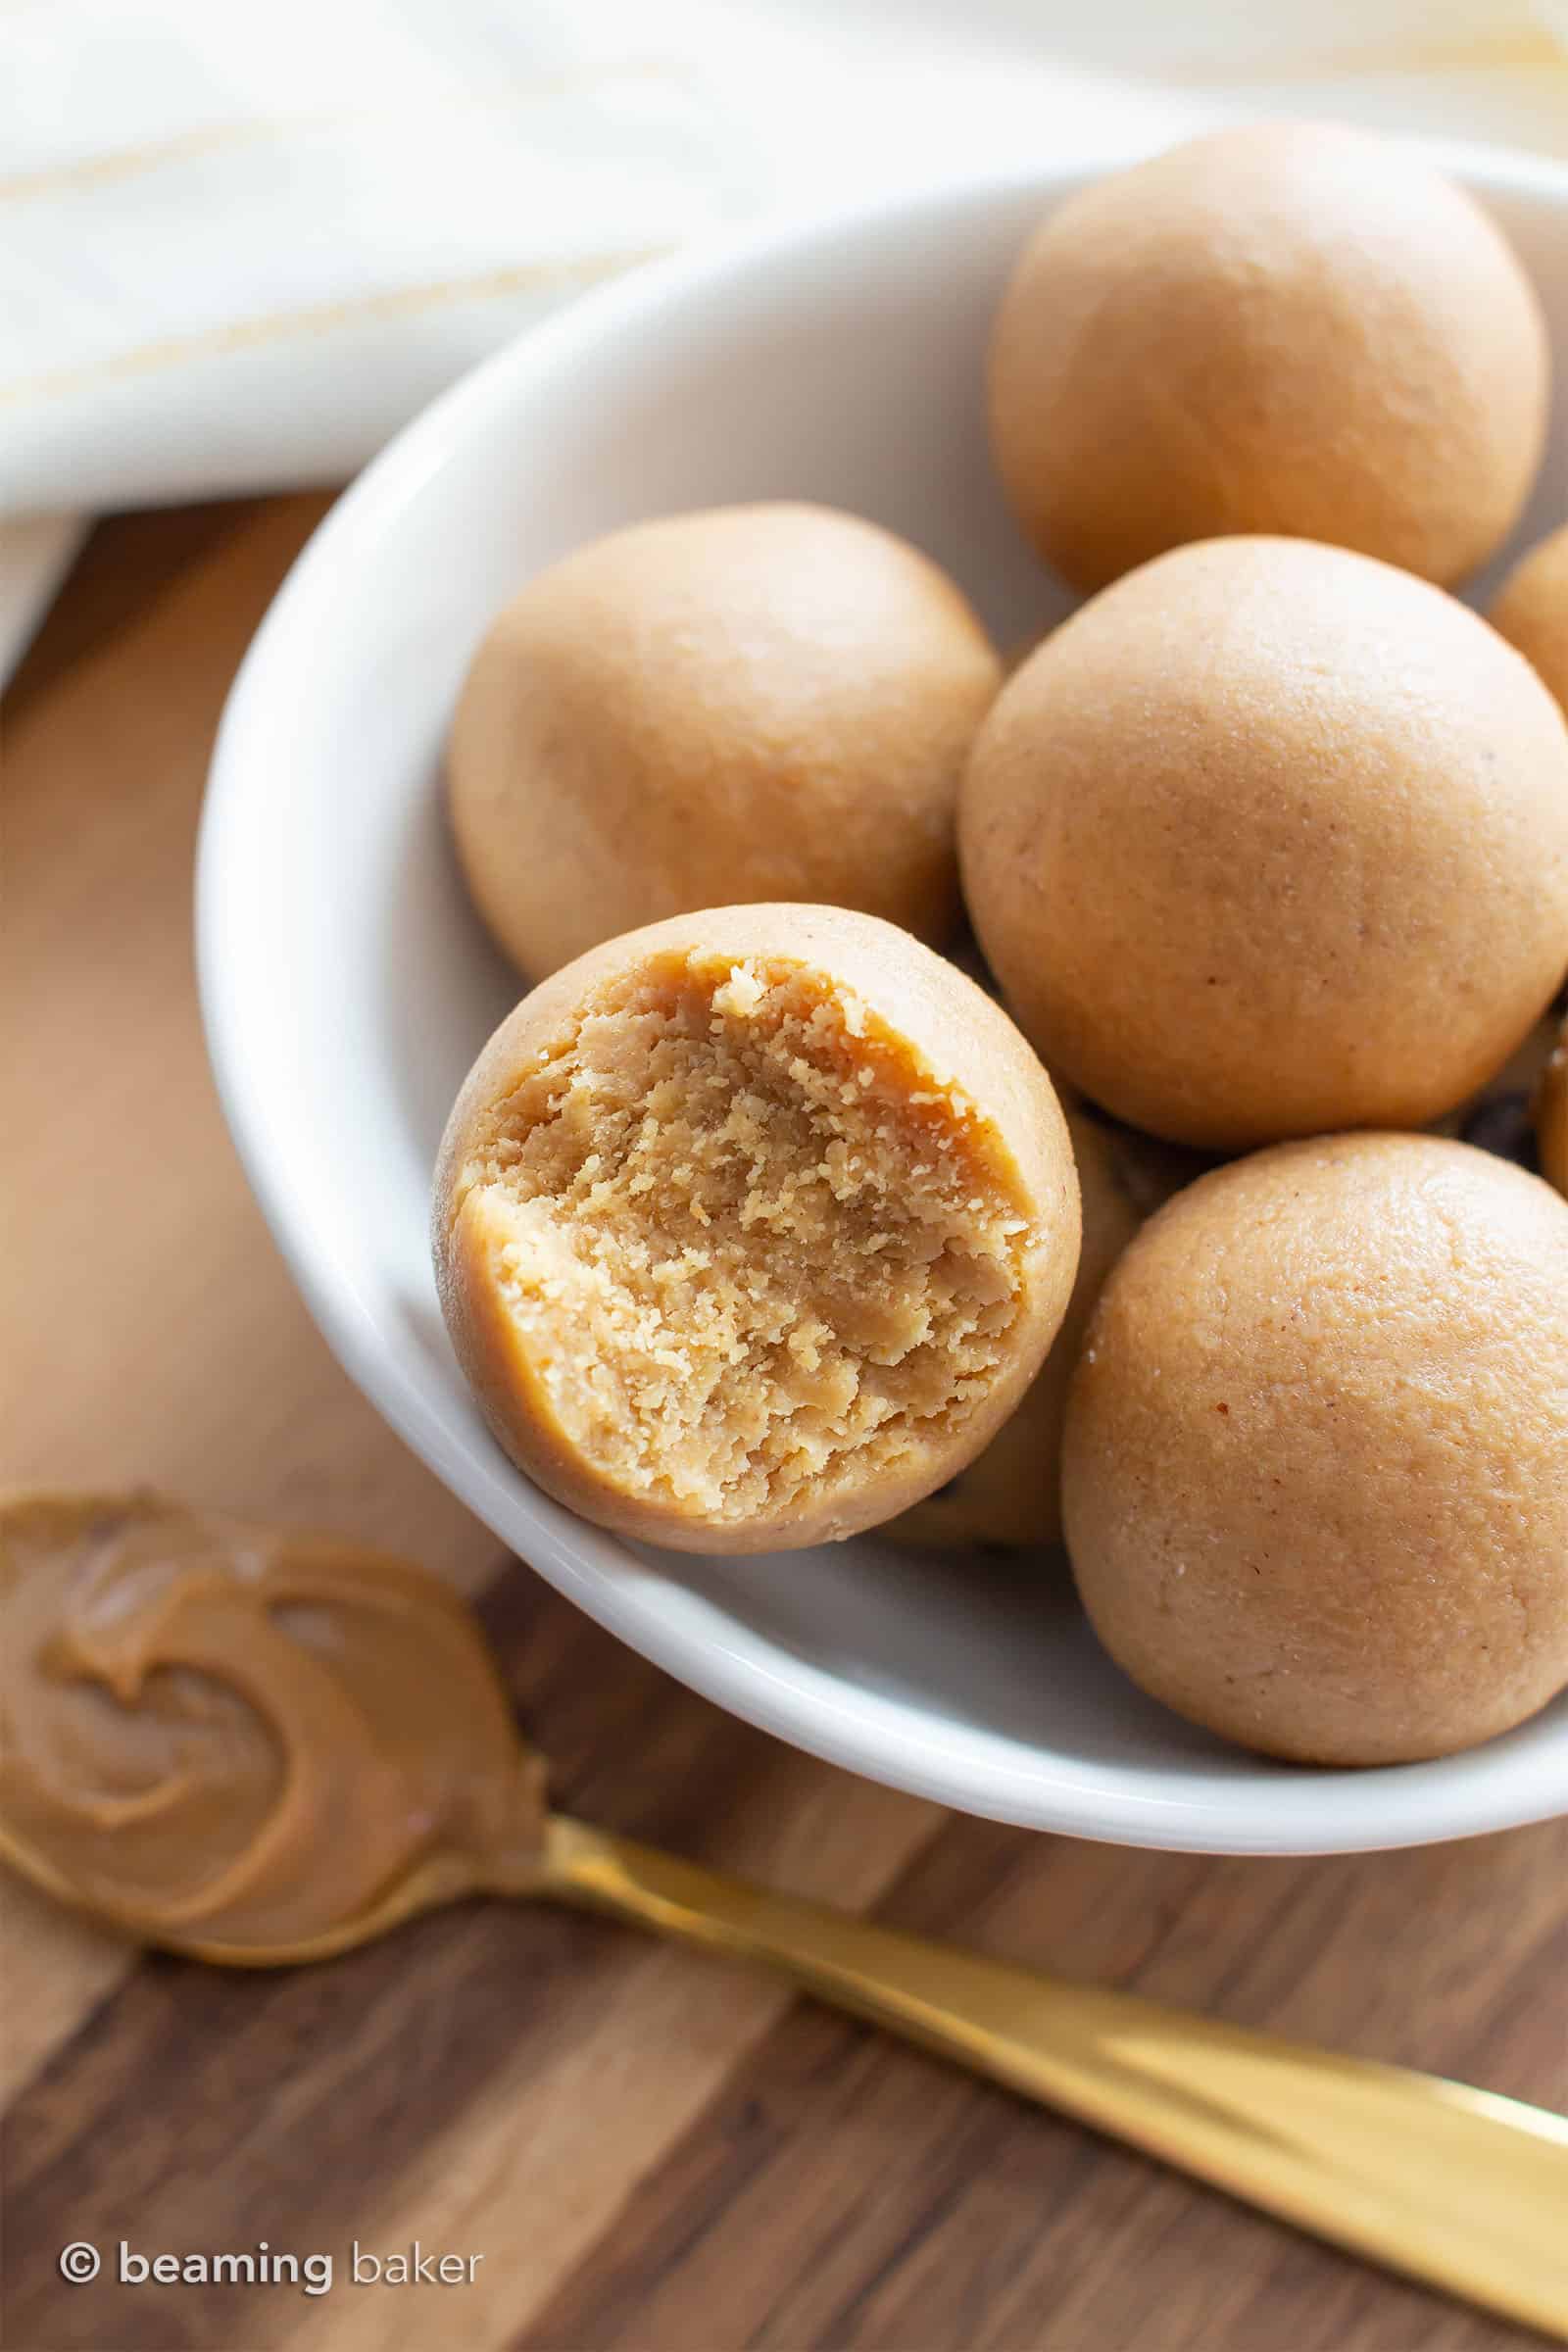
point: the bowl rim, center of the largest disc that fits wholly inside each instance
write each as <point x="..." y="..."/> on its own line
<point x="1414" y="1804"/>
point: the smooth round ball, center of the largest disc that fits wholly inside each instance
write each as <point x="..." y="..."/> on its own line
<point x="1315" y="1474"/>
<point x="752" y="1227"/>
<point x="1531" y="610"/>
<point x="1552" y="1117"/>
<point x="1009" y="1498"/>
<point x="749" y="703"/>
<point x="1290" y="327"/>
<point x="1268" y="840"/>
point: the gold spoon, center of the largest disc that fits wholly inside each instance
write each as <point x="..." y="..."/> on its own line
<point x="263" y="1751"/>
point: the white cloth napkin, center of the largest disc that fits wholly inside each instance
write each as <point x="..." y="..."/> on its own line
<point x="240" y="244"/>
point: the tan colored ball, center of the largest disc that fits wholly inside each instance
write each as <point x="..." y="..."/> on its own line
<point x="752" y="1227"/>
<point x="1285" y="328"/>
<point x="1531" y="610"/>
<point x="1315" y="1473"/>
<point x="749" y="704"/>
<point x="1270" y="839"/>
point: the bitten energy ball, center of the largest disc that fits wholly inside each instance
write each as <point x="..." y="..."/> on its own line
<point x="752" y="1227"/>
<point x="1315" y="1474"/>
<point x="1285" y="328"/>
<point x="1531" y="610"/>
<point x="1268" y="840"/>
<point x="754" y="703"/>
<point x="1011" y="1497"/>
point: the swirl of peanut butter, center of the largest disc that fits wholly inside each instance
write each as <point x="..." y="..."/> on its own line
<point x="213" y="1733"/>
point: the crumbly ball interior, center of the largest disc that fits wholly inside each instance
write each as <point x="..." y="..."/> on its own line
<point x="751" y="1246"/>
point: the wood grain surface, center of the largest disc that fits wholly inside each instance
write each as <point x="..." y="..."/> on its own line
<point x="648" y="2152"/>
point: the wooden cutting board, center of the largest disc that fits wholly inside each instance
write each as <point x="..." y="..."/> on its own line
<point x="624" y="2145"/>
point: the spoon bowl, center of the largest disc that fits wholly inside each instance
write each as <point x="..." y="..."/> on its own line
<point x="347" y="983"/>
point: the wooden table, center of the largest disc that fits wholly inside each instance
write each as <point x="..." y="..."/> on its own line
<point x="648" y="2152"/>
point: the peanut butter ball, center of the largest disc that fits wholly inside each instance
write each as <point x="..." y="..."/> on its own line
<point x="1269" y="839"/>
<point x="752" y="1227"/>
<point x="753" y="702"/>
<point x="1011" y="1497"/>
<point x="1552" y="1117"/>
<point x="1284" y="327"/>
<point x="1315" y="1472"/>
<point x="1531" y="610"/>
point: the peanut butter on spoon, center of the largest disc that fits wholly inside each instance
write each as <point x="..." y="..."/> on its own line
<point x="259" y="1748"/>
<point x="211" y="1733"/>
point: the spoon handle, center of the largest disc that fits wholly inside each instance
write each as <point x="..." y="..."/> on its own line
<point x="1459" y="2187"/>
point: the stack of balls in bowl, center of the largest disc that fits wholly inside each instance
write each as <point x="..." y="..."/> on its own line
<point x="761" y="1221"/>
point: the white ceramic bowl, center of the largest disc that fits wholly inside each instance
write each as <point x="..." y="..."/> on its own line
<point x="347" y="985"/>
